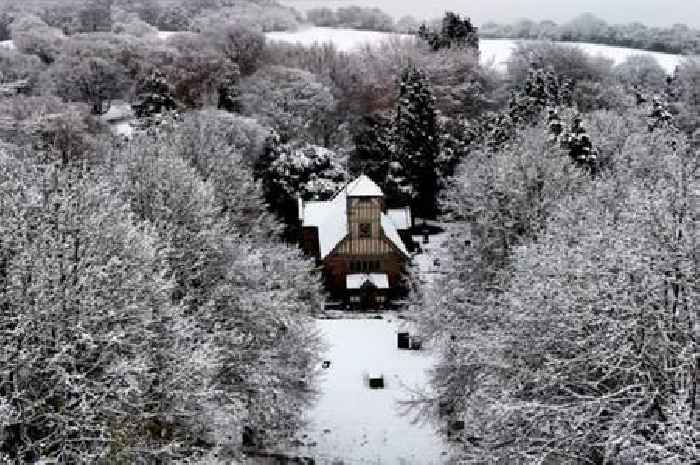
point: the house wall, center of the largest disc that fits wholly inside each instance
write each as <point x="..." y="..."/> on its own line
<point x="336" y="266"/>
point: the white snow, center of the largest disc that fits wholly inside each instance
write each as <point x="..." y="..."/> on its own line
<point x="334" y="226"/>
<point x="356" y="281"/>
<point x="359" y="425"/>
<point x="497" y="51"/>
<point x="313" y="212"/>
<point x="165" y="35"/>
<point x="494" y="51"/>
<point x="364" y="187"/>
<point x="7" y="44"/>
<point x="123" y="128"/>
<point x="118" y="110"/>
<point x="401" y="217"/>
<point x="433" y="259"/>
<point x="393" y="235"/>
<point x="345" y="40"/>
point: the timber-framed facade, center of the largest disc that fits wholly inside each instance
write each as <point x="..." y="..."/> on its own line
<point x="357" y="242"/>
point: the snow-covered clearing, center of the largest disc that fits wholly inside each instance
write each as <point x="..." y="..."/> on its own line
<point x="359" y="425"/>
<point x="494" y="51"/>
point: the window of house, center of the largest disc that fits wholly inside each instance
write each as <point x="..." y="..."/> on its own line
<point x="355" y="298"/>
<point x="380" y="299"/>
<point x="365" y="230"/>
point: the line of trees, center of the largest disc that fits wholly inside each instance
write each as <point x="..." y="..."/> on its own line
<point x="149" y="311"/>
<point x="566" y="315"/>
<point x="140" y="17"/>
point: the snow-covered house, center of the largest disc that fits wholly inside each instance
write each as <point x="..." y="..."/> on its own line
<point x="357" y="242"/>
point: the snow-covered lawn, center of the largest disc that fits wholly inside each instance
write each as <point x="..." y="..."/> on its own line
<point x="494" y="51"/>
<point x="359" y="425"/>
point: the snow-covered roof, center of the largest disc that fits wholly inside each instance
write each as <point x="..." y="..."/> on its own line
<point x="118" y="110"/>
<point x="334" y="226"/>
<point x="364" y="187"/>
<point x="313" y="213"/>
<point x="401" y="217"/>
<point x="392" y="234"/>
<point x="330" y="217"/>
<point x="356" y="281"/>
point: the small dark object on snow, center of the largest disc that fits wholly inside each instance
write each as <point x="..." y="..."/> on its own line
<point x="403" y="341"/>
<point x="376" y="382"/>
<point x="416" y="343"/>
<point x="436" y="262"/>
<point x="326" y="364"/>
<point x="445" y="408"/>
<point x="457" y="425"/>
<point x="378" y="317"/>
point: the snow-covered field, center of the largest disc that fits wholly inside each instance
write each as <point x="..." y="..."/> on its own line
<point x="359" y="425"/>
<point x="344" y="39"/>
<point x="496" y="51"/>
<point x="165" y="35"/>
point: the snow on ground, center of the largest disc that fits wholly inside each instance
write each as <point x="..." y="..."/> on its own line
<point x="123" y="128"/>
<point x="165" y="35"/>
<point x="358" y="425"/>
<point x="496" y="51"/>
<point x="431" y="261"/>
<point x="7" y="44"/>
<point x="344" y="39"/>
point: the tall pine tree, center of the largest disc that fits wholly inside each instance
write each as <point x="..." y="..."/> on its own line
<point x="417" y="142"/>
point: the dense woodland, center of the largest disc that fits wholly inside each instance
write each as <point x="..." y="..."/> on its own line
<point x="155" y="309"/>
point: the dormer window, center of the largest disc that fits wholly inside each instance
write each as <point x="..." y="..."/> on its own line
<point x="365" y="230"/>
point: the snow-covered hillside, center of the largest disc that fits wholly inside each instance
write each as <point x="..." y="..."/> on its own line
<point x="494" y="51"/>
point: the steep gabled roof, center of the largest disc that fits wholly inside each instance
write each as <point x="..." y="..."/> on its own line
<point x="330" y="217"/>
<point x="392" y="234"/>
<point x="334" y="226"/>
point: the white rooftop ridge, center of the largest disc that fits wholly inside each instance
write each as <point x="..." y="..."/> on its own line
<point x="363" y="186"/>
<point x="356" y="281"/>
<point x="330" y="217"/>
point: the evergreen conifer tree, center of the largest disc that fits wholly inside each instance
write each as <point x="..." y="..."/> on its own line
<point x="417" y="141"/>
